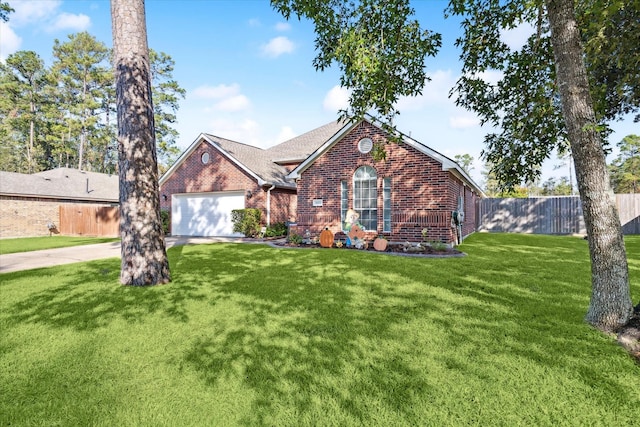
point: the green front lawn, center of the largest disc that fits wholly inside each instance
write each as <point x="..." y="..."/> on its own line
<point x="27" y="244"/>
<point x="252" y="335"/>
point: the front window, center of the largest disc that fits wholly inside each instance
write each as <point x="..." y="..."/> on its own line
<point x="365" y="196"/>
<point x="386" y="205"/>
<point x="344" y="200"/>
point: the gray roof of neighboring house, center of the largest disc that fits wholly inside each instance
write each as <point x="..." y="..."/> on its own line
<point x="61" y="183"/>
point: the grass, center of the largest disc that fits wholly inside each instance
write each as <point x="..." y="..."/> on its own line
<point x="27" y="244"/>
<point x="251" y="335"/>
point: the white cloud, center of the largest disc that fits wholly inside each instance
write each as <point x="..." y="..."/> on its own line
<point x="233" y="104"/>
<point x="30" y="11"/>
<point x="216" y="92"/>
<point x="283" y="26"/>
<point x="491" y="76"/>
<point x="228" y="97"/>
<point x="245" y="130"/>
<point x="463" y="121"/>
<point x="435" y="92"/>
<point x="254" y="22"/>
<point x="336" y="99"/>
<point x="285" y="134"/>
<point x="278" y="46"/>
<point x="69" y="21"/>
<point x="9" y="41"/>
<point x="517" y="37"/>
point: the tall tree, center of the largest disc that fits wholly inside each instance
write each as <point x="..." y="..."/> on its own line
<point x="465" y="161"/>
<point x="24" y="78"/>
<point x="625" y="169"/>
<point x="542" y="100"/>
<point x="166" y="95"/>
<point x="557" y="187"/>
<point x="82" y="64"/>
<point x="610" y="306"/>
<point x="144" y="256"/>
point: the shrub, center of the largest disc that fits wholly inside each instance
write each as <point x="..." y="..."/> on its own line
<point x="276" y="230"/>
<point x="295" y="239"/>
<point x="246" y="221"/>
<point x="164" y="217"/>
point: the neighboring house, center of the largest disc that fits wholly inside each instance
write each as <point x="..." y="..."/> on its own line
<point x="31" y="204"/>
<point x="315" y="178"/>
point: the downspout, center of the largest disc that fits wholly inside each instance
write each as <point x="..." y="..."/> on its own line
<point x="269" y="204"/>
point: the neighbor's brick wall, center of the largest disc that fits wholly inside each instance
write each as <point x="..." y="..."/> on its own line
<point x="417" y="182"/>
<point x="29" y="216"/>
<point x="220" y="175"/>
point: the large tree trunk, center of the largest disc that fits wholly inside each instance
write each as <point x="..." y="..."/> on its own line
<point x="610" y="305"/>
<point x="144" y="257"/>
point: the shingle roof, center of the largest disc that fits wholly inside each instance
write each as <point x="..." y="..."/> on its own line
<point x="61" y="183"/>
<point x="266" y="165"/>
<point x="301" y="147"/>
<point x="263" y="163"/>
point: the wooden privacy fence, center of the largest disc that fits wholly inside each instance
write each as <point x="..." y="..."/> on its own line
<point x="89" y="220"/>
<point x="550" y="215"/>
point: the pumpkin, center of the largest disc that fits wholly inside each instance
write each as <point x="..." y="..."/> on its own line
<point x="326" y="238"/>
<point x="380" y="244"/>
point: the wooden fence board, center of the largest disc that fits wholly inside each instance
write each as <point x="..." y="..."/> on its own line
<point x="550" y="215"/>
<point x="89" y="220"/>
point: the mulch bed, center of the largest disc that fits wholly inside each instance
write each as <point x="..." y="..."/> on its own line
<point x="399" y="249"/>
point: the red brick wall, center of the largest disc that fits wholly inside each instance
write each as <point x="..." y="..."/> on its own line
<point x="283" y="205"/>
<point x="423" y="195"/>
<point x="220" y="174"/>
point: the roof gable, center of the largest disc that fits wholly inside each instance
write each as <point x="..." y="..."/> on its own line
<point x="447" y="163"/>
<point x="264" y="165"/>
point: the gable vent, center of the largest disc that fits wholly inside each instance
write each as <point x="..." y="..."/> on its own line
<point x="365" y="145"/>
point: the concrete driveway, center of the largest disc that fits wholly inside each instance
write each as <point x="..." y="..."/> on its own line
<point x="52" y="257"/>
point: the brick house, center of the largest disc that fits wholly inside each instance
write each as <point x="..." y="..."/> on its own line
<point x="315" y="178"/>
<point x="31" y="203"/>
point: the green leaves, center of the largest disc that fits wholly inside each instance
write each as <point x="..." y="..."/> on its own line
<point x="522" y="101"/>
<point x="625" y="169"/>
<point x="378" y="47"/>
<point x="72" y="108"/>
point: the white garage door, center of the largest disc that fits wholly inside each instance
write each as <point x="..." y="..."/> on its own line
<point x="204" y="214"/>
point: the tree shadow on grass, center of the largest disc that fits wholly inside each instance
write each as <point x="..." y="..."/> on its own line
<point x="306" y="336"/>
<point x="88" y="295"/>
<point x="323" y="328"/>
<point x="320" y="332"/>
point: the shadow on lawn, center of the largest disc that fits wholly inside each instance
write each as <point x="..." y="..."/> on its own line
<point x="335" y="324"/>
<point x="90" y="297"/>
<point x="313" y="332"/>
<point x="306" y="337"/>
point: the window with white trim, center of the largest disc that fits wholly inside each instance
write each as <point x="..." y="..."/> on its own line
<point x="386" y="205"/>
<point x="365" y="196"/>
<point x="344" y="200"/>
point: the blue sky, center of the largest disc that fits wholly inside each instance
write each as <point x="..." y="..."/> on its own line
<point x="249" y="76"/>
